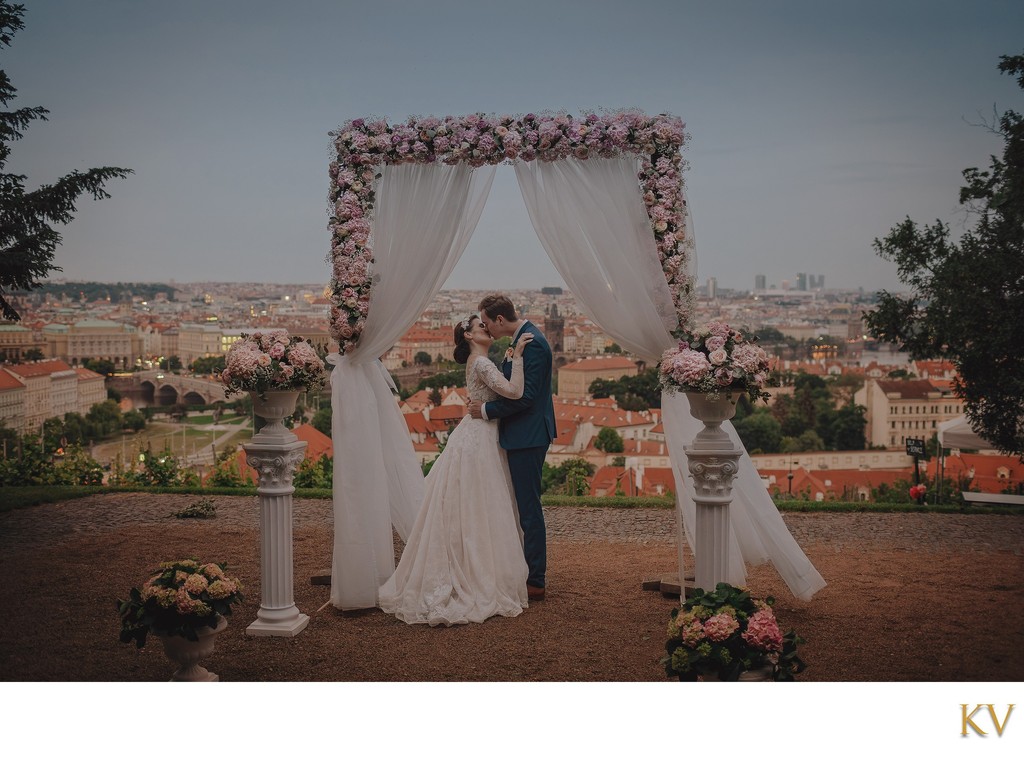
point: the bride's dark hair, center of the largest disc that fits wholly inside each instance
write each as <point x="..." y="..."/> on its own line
<point x="461" y="342"/>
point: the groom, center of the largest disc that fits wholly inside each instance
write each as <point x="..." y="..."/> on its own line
<point x="526" y="428"/>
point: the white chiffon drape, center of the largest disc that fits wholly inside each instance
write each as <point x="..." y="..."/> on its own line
<point x="591" y="220"/>
<point x="423" y="220"/>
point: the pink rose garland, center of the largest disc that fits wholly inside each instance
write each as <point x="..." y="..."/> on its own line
<point x="479" y="139"/>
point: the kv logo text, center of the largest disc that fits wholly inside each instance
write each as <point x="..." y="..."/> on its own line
<point x="967" y="719"/>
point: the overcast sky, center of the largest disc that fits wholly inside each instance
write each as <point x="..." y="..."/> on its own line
<point x="815" y="127"/>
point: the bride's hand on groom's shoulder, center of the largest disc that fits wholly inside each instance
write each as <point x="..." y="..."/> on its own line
<point x="525" y="339"/>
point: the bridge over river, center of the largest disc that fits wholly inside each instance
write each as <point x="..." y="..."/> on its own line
<point x="159" y="388"/>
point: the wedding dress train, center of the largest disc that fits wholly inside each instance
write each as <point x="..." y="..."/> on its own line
<point x="464" y="558"/>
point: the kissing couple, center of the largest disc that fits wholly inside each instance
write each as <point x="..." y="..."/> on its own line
<point x="478" y="547"/>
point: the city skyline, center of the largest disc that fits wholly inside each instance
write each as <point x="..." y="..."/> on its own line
<point x="813" y="129"/>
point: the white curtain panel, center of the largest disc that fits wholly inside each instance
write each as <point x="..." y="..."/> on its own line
<point x="423" y="220"/>
<point x="591" y="219"/>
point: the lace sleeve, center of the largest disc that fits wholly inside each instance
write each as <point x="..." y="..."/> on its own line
<point x="494" y="379"/>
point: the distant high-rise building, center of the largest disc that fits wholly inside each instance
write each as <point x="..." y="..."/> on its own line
<point x="817" y="282"/>
<point x="712" y="288"/>
<point x="760" y="282"/>
<point x="801" y="281"/>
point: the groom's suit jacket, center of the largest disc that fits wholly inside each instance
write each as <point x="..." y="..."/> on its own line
<point x="527" y="422"/>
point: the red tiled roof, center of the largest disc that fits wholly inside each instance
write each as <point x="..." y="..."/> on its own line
<point x="87" y="374"/>
<point x="40" y="368"/>
<point x="907" y="388"/>
<point x="8" y="381"/>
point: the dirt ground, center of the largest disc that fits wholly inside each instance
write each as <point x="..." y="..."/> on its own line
<point x="911" y="597"/>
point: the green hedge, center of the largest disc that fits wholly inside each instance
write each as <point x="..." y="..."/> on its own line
<point x="21" y="497"/>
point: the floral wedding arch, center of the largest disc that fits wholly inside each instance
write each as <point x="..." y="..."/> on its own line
<point x="605" y="194"/>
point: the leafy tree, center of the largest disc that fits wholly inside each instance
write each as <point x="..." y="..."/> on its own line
<point x="454" y="378"/>
<point x="33" y="354"/>
<point x="209" y="365"/>
<point x="28" y="238"/>
<point x="113" y="395"/>
<point x="605" y="388"/>
<point x="435" y="396"/>
<point x="760" y="432"/>
<point x="422" y="359"/>
<point x="569" y="477"/>
<point x="966" y="297"/>
<point x="322" y="420"/>
<point x="637" y="393"/>
<point x="613" y="348"/>
<point x="104" y="419"/>
<point x="609" y="441"/>
<point x="134" y="420"/>
<point x="171" y="364"/>
<point x="99" y="365"/>
<point x="846" y="430"/>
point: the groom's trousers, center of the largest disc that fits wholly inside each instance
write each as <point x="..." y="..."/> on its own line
<point x="526" y="465"/>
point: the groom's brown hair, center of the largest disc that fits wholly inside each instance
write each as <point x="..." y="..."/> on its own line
<point x="496" y="304"/>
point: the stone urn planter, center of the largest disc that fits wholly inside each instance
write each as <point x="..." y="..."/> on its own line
<point x="188" y="653"/>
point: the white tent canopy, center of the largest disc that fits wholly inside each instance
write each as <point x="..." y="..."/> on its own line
<point x="957" y="433"/>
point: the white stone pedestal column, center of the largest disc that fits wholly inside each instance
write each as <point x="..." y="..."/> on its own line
<point x="713" y="461"/>
<point x="275" y="453"/>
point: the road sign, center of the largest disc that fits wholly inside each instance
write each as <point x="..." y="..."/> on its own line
<point x="915" y="446"/>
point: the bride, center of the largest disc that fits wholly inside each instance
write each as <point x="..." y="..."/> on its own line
<point x="464" y="561"/>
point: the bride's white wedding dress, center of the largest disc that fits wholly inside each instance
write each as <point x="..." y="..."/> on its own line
<point x="464" y="558"/>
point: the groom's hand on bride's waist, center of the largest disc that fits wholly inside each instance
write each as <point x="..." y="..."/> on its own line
<point x="474" y="409"/>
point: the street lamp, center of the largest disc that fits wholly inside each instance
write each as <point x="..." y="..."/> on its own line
<point x="789" y="477"/>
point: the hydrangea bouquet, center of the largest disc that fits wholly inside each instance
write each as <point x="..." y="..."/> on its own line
<point x="722" y="634"/>
<point x="715" y="359"/>
<point x="180" y="598"/>
<point x="272" y="360"/>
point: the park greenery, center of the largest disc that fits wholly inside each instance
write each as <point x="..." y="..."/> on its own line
<point x="30" y="219"/>
<point x="963" y="295"/>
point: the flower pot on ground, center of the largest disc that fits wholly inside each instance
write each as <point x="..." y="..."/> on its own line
<point x="183" y="600"/>
<point x="728" y="635"/>
<point x="188" y="653"/>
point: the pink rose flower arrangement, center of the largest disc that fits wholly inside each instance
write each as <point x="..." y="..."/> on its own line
<point x="272" y="361"/>
<point x="364" y="145"/>
<point x="179" y="598"/>
<point x="713" y="360"/>
<point x="724" y="633"/>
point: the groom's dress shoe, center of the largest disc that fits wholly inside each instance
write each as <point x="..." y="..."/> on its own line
<point x="534" y="593"/>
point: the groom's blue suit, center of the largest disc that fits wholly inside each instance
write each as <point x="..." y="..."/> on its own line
<point x="526" y="429"/>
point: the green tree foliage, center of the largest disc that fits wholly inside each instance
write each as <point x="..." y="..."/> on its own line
<point x="171" y="364"/>
<point x="812" y="409"/>
<point x="105" y="419"/>
<point x="967" y="297"/>
<point x="760" y="431"/>
<point x="613" y="348"/>
<point x="134" y="420"/>
<point x="209" y="365"/>
<point x="637" y="393"/>
<point x="422" y="359"/>
<point x="315" y="474"/>
<point x="99" y="365"/>
<point x="322" y="420"/>
<point x="158" y="469"/>
<point x="609" y="441"/>
<point x="454" y="378"/>
<point x="28" y="219"/>
<point x="30" y="462"/>
<point x="568" y="478"/>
